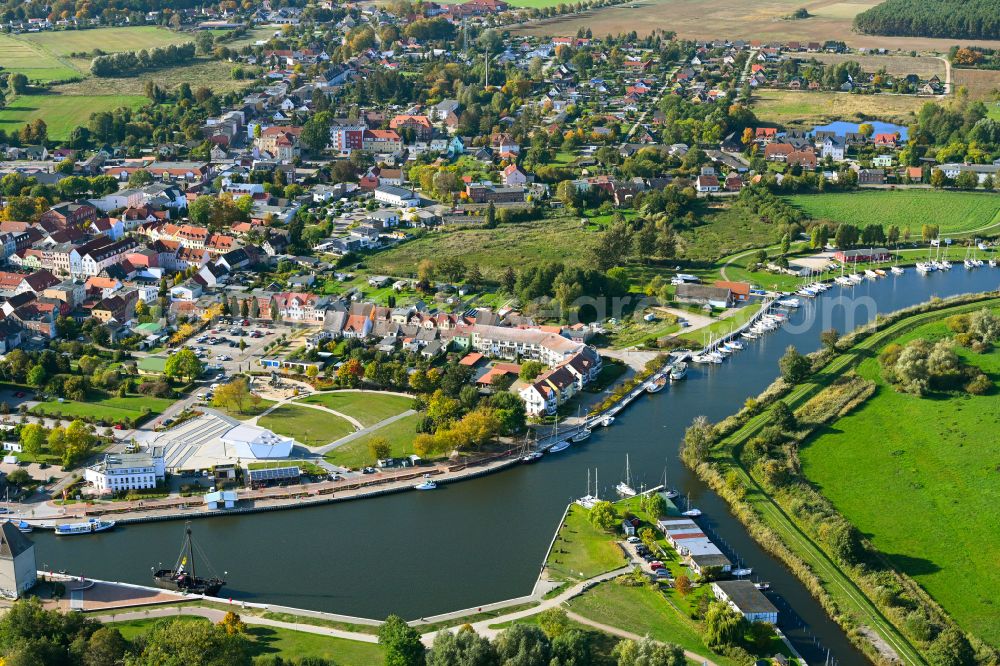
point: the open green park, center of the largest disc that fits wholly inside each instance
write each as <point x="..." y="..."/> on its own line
<point x="918" y="474"/>
<point x="368" y="407"/>
<point x="308" y="426"/>
<point x="287" y="643"/>
<point x="107" y="409"/>
<point x="399" y="434"/>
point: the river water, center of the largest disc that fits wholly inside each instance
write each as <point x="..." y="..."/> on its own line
<point x="470" y="543"/>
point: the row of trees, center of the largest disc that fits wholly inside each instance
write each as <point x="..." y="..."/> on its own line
<point x="71" y="444"/>
<point x="130" y="63"/>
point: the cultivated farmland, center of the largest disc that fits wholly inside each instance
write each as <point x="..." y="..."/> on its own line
<point x="955" y="212"/>
<point x="61" y="113"/>
<point x="918" y="475"/>
<point x="23" y="57"/>
<point x="807" y="108"/>
<point x="731" y="19"/>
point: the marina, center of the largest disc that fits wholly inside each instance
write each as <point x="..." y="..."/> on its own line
<point x="534" y="496"/>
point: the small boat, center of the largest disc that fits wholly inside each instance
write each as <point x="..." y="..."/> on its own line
<point x="790" y="302"/>
<point x="426" y="484"/>
<point x="993" y="263"/>
<point x="735" y="344"/>
<point x="749" y="334"/>
<point x="671" y="494"/>
<point x="90" y="527"/>
<point x="580" y="436"/>
<point x="22" y="525"/>
<point x="739" y="573"/>
<point x="183" y="578"/>
<point x="625" y="488"/>
<point x="607" y="420"/>
<point x="880" y="272"/>
<point x="843" y="280"/>
<point x="870" y="274"/>
<point x="559" y="446"/>
<point x="679" y="371"/>
<point x="944" y="265"/>
<point x="656" y="385"/>
<point x="692" y="513"/>
<point x="762" y="586"/>
<point x="534" y="456"/>
<point x="897" y="270"/>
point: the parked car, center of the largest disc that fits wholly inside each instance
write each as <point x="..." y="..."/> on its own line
<point x="634" y="539"/>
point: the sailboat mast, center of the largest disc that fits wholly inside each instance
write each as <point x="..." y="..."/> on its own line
<point x="190" y="549"/>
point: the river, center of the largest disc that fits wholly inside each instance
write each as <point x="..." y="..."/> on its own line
<point x="469" y="543"/>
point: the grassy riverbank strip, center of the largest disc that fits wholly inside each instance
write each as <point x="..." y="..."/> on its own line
<point x="837" y="588"/>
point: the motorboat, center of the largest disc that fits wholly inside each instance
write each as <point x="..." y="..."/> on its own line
<point x="671" y="494"/>
<point x="880" y="272"/>
<point x="843" y="280"/>
<point x="871" y="275"/>
<point x="790" y="302"/>
<point x="749" y="334"/>
<point x="92" y="526"/>
<point x="426" y="484"/>
<point x="559" y="446"/>
<point x="678" y="371"/>
<point x="762" y="586"/>
<point x="534" y="456"/>
<point x="897" y="270"/>
<point x="692" y="513"/>
<point x="656" y="384"/>
<point x="993" y="263"/>
<point x="739" y="573"/>
<point x="22" y="525"/>
<point x="944" y="265"/>
<point x="580" y="435"/>
<point x="607" y="420"/>
<point x="735" y="344"/>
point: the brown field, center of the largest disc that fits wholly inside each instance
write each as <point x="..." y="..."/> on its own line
<point x="923" y="66"/>
<point x="981" y="83"/>
<point x="805" y="109"/>
<point x="735" y="19"/>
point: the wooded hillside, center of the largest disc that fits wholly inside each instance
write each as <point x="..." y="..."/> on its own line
<point x="955" y="19"/>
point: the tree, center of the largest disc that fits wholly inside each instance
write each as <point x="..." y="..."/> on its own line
<point x="966" y="180"/>
<point x="683" y="585"/>
<point x="80" y="440"/>
<point x="140" y="178"/>
<point x="106" y="647"/>
<point x="463" y="648"/>
<point x="183" y="364"/>
<point x="33" y="437"/>
<point x="794" y="366"/>
<point x="19" y="477"/>
<point x="724" y="627"/>
<point x="572" y="648"/>
<point x="530" y="369"/>
<point x="379" y="448"/>
<point x="191" y="644"/>
<point x="554" y="622"/>
<point x="647" y="652"/>
<point x="508" y="280"/>
<point x="491" y="216"/>
<point x="654" y="505"/>
<point x="782" y="417"/>
<point x="316" y="132"/>
<point x="951" y="648"/>
<point x="985" y="326"/>
<point x="938" y="179"/>
<point x="401" y="643"/>
<point x="233" y="624"/>
<point x="36" y="376"/>
<point x="523" y="645"/>
<point x="698" y="439"/>
<point x="234" y="396"/>
<point x="603" y="516"/>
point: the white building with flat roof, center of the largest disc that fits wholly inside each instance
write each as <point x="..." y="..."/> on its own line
<point x="120" y="472"/>
<point x="214" y="439"/>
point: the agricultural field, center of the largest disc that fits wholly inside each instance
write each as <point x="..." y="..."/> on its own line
<point x="923" y="66"/>
<point x="17" y="55"/>
<point x="981" y="83"/>
<point x="61" y="113"/>
<point x="308" y="426"/>
<point x="399" y="434"/>
<point x="519" y="244"/>
<point x="935" y="464"/>
<point x="955" y="212"/>
<point x="368" y="407"/>
<point x="64" y="42"/>
<point x="731" y="19"/>
<point x="212" y="74"/>
<point x="805" y="108"/>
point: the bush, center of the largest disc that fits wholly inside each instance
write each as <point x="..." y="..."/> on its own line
<point x="980" y="385"/>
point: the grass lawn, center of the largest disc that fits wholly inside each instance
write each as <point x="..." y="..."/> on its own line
<point x="520" y="245"/>
<point x="311" y="427"/>
<point x="922" y="487"/>
<point x="109" y="40"/>
<point x="581" y="550"/>
<point x="723" y="326"/>
<point x="153" y="364"/>
<point x="247" y="413"/>
<point x="367" y="407"/>
<point x="644" y="611"/>
<point x="955" y="212"/>
<point x="18" y="55"/>
<point x="61" y="113"/>
<point x="399" y="433"/>
<point x="107" y="409"/>
<point x="287" y="643"/>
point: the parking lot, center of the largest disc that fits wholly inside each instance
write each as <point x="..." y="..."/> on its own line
<point x="651" y="563"/>
<point x="219" y="345"/>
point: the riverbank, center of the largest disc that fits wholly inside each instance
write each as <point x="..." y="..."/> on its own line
<point x="770" y="522"/>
